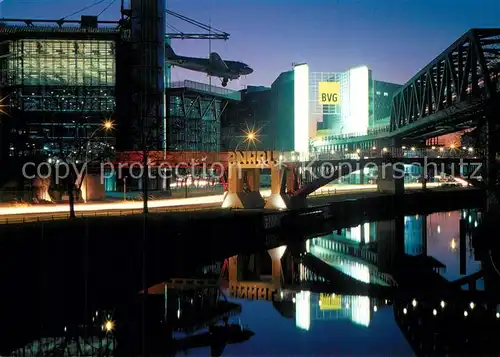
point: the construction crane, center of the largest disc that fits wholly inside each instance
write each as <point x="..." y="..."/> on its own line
<point x="212" y="33"/>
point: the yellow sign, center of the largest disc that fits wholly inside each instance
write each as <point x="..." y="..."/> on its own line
<point x="330" y="302"/>
<point x="329" y="93"/>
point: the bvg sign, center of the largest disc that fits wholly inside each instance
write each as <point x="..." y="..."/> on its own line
<point x="329" y="93"/>
<point x="253" y="159"/>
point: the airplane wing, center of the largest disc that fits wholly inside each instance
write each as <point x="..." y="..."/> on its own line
<point x="217" y="62"/>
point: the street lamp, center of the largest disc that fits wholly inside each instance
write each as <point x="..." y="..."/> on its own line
<point x="250" y="137"/>
<point x="125" y="188"/>
<point x="107" y="125"/>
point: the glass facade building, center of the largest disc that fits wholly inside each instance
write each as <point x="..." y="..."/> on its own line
<point x="60" y="84"/>
<point x="194" y="112"/>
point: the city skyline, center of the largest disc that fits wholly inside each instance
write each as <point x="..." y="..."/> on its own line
<point x="395" y="39"/>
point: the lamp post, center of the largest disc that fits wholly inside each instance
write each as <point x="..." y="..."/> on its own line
<point x="125" y="188"/>
<point x="107" y="125"/>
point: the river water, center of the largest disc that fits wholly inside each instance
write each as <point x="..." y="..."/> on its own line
<point x="381" y="288"/>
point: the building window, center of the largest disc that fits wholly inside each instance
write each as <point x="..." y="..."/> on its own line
<point x="386" y="94"/>
<point x="378" y="92"/>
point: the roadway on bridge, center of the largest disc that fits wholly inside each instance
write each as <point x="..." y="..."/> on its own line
<point x="12" y="214"/>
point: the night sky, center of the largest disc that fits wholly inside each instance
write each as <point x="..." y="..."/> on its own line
<point x="395" y="38"/>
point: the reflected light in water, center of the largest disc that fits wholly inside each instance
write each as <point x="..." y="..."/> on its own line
<point x="355" y="308"/>
<point x="303" y="310"/>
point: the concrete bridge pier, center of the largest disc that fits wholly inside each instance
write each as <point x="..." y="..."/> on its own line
<point x="391" y="178"/>
<point x="283" y="181"/>
<point x="236" y="270"/>
<point x="276" y="254"/>
<point x="243" y="189"/>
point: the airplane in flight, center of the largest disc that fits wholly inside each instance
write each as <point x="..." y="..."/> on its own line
<point x="214" y="66"/>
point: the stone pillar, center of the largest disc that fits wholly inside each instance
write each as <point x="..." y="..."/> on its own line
<point x="237" y="196"/>
<point x="391" y="178"/>
<point x="278" y="198"/>
<point x="235" y="269"/>
<point x="276" y="254"/>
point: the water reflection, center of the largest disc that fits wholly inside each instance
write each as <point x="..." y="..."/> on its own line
<point x="413" y="277"/>
<point x="411" y="285"/>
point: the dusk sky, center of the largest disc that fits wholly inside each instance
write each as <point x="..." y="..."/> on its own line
<point x="395" y="38"/>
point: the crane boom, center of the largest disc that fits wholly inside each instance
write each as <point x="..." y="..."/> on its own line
<point x="212" y="33"/>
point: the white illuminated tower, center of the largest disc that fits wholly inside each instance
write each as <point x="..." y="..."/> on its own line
<point x="301" y="108"/>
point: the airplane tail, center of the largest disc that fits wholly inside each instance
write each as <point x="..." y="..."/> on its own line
<point x="169" y="52"/>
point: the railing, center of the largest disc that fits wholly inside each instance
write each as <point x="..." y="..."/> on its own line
<point x="374" y="131"/>
<point x="67" y="28"/>
<point x="224" y="92"/>
<point x="403" y="152"/>
<point x="111" y="213"/>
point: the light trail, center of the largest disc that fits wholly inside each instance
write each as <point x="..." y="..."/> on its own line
<point x="173" y="202"/>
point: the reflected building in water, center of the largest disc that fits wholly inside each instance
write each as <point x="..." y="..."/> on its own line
<point x="310" y="307"/>
<point x="442" y="239"/>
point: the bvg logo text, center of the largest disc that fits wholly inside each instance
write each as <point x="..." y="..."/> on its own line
<point x="329" y="93"/>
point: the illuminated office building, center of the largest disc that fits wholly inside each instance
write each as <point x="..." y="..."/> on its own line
<point x="313" y="107"/>
<point x="58" y="83"/>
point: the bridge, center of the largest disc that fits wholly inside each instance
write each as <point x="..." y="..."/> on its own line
<point x="459" y="89"/>
<point x="294" y="176"/>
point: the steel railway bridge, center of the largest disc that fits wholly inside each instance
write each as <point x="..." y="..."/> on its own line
<point x="458" y="89"/>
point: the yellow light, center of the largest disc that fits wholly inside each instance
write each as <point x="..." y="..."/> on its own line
<point x="498" y="315"/>
<point x="441" y="149"/>
<point x="472" y="305"/>
<point x="251" y="135"/>
<point x="470" y="149"/>
<point x="358" y="150"/>
<point x="466" y="313"/>
<point x="374" y="148"/>
<point x="3" y="106"/>
<point x="443" y="304"/>
<point x="414" y="302"/>
<point x="434" y="312"/>
<point x="109" y="325"/>
<point x="433" y="148"/>
<point x="453" y="244"/>
<point x="384" y="149"/>
<point x="405" y="311"/>
<point x="108" y="124"/>
<point x="452" y="146"/>
<point x="413" y="148"/>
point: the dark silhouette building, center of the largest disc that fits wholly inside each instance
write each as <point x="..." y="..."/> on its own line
<point x="251" y="115"/>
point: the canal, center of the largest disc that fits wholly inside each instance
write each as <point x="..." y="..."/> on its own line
<point x="411" y="285"/>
